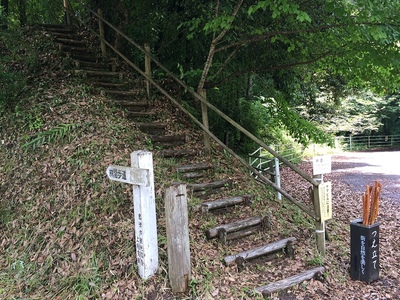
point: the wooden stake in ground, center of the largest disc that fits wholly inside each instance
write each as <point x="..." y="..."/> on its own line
<point x="177" y="224"/>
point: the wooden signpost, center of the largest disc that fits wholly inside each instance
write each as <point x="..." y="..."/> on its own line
<point x="141" y="176"/>
<point x="322" y="198"/>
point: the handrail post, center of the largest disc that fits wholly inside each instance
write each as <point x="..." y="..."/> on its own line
<point x="320" y="225"/>
<point x="147" y="64"/>
<point x="102" y="34"/>
<point x="66" y="8"/>
<point x="204" y="114"/>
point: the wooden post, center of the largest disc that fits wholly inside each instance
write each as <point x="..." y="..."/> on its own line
<point x="176" y="211"/>
<point x="67" y="16"/>
<point x="145" y="217"/>
<point x="320" y="225"/>
<point x="102" y="34"/>
<point x="277" y="177"/>
<point x="204" y="114"/>
<point x="147" y="64"/>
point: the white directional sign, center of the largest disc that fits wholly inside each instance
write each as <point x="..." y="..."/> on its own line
<point x="128" y="175"/>
<point x="325" y="198"/>
<point x="141" y="176"/>
<point x="322" y="165"/>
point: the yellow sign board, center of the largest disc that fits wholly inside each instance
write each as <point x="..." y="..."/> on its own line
<point x="325" y="199"/>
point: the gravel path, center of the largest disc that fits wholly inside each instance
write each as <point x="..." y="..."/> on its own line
<point x="357" y="169"/>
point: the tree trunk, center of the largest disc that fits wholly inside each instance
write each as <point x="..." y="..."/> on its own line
<point x="4" y="5"/>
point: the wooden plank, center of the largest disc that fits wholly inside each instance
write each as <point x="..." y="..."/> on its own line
<point x="235" y="226"/>
<point x="177" y="152"/>
<point x="145" y="217"/>
<point x="273" y="287"/>
<point x="193" y="167"/>
<point x="225" y="202"/>
<point x="178" y="248"/>
<point x="259" y="251"/>
<point x="196" y="187"/>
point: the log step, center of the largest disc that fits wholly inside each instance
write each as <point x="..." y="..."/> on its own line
<point x="74" y="49"/>
<point x="87" y="65"/>
<point x="134" y="106"/>
<point x="198" y="187"/>
<point x="82" y="57"/>
<point x="58" y="29"/>
<point x="226" y="202"/>
<point x="141" y="114"/>
<point x="166" y="140"/>
<point x="152" y="128"/>
<point x="274" y="287"/>
<point x="193" y="167"/>
<point x="259" y="251"/>
<point x="92" y="73"/>
<point x="177" y="153"/>
<point x="109" y="85"/>
<point x="234" y="227"/>
<point x="120" y="94"/>
<point x="70" y="42"/>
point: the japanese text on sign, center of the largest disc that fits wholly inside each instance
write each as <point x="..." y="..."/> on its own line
<point x="325" y="198"/>
<point x="322" y="165"/>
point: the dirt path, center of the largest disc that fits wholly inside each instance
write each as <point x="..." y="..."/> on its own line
<point x="357" y="169"/>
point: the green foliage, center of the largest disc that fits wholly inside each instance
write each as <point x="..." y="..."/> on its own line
<point x="50" y="135"/>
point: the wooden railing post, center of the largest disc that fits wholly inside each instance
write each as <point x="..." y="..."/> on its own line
<point x="204" y="114"/>
<point x="178" y="247"/>
<point x="66" y="9"/>
<point x="102" y="34"/>
<point x="147" y="64"/>
<point x="319" y="224"/>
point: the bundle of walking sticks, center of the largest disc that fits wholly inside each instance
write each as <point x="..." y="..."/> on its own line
<point x="371" y="203"/>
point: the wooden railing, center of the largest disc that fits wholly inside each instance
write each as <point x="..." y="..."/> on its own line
<point x="314" y="213"/>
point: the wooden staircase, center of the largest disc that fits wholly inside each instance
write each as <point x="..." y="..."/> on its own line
<point x="104" y="75"/>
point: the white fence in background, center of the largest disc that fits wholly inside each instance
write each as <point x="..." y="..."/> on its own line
<point x="265" y="163"/>
<point x="353" y="143"/>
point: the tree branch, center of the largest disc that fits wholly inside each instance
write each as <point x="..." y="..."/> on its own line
<point x="287" y="66"/>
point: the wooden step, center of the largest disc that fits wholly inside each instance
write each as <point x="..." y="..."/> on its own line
<point x="87" y="65"/>
<point x="226" y="202"/>
<point x="141" y="114"/>
<point x="166" y="140"/>
<point x="70" y="42"/>
<point x="55" y="29"/>
<point x="108" y="84"/>
<point x="82" y="57"/>
<point x="134" y="106"/>
<point x="262" y="250"/>
<point x="120" y="94"/>
<point x="203" y="190"/>
<point x="288" y="282"/>
<point x="102" y="74"/>
<point x="236" y="229"/>
<point x="152" y="128"/>
<point x="74" y="49"/>
<point x="193" y="167"/>
<point x="71" y="36"/>
<point x="193" y="170"/>
<point x="177" y="153"/>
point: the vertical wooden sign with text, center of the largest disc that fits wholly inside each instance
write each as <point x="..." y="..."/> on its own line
<point x="145" y="217"/>
<point x="141" y="176"/>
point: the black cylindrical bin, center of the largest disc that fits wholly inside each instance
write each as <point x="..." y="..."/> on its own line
<point x="364" y="251"/>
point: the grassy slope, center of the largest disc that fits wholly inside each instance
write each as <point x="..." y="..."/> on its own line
<point x="67" y="231"/>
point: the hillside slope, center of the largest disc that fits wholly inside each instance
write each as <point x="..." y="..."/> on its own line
<point x="67" y="231"/>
